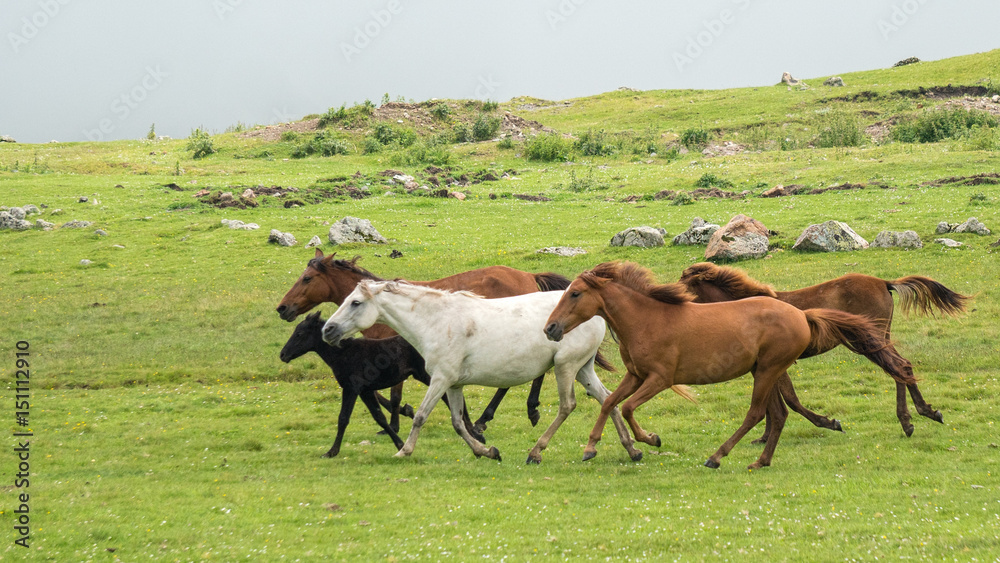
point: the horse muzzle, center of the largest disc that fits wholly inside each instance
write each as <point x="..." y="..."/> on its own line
<point x="554" y="331"/>
<point x="332" y="335"/>
<point x="287" y="312"/>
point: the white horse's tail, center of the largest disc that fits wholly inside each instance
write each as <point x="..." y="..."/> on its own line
<point x="685" y="392"/>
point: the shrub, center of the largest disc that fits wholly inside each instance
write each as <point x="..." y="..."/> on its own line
<point x="585" y="183"/>
<point x="201" y="143"/>
<point x="355" y="116"/>
<point x="506" y="143"/>
<point x="694" y="138"/>
<point x="290" y="136"/>
<point x="712" y="181"/>
<point x="420" y="153"/>
<point x="594" y="144"/>
<point x="371" y="146"/>
<point x="683" y="198"/>
<point x="152" y="132"/>
<point x="323" y="143"/>
<point x="389" y="134"/>
<point x="462" y="133"/>
<point x="934" y="126"/>
<point x="547" y="147"/>
<point x="485" y="127"/>
<point x="490" y="105"/>
<point x="441" y="111"/>
<point x="839" y="129"/>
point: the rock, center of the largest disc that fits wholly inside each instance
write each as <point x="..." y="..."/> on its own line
<point x="457" y="195"/>
<point x="402" y="178"/>
<point x="314" y="242"/>
<point x="945" y="227"/>
<point x="202" y="193"/>
<point x="43" y="225"/>
<point x="76" y="225"/>
<point x="56" y="212"/>
<point x="83" y="199"/>
<point x="240" y="225"/>
<point x="284" y="239"/>
<point x="16" y="213"/>
<point x="10" y="221"/>
<point x="101" y="233"/>
<point x="972" y="225"/>
<point x="7" y="139"/>
<point x="833" y="81"/>
<point x="118" y="246"/>
<point x="561" y="250"/>
<point x="85" y="262"/>
<point x="727" y="148"/>
<point x="786" y="78"/>
<point x="411" y="185"/>
<point x="893" y="239"/>
<point x="776" y="191"/>
<point x="643" y="237"/>
<point x="741" y="238"/>
<point x="699" y="232"/>
<point x="907" y="61"/>
<point x="395" y="254"/>
<point x="352" y="229"/>
<point x="226" y="197"/>
<point x="948" y="242"/>
<point x="831" y="236"/>
<point x="31" y="209"/>
<point x="248" y="194"/>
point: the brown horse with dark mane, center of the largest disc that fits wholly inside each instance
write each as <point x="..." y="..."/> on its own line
<point x="667" y="340"/>
<point x="852" y="293"/>
<point x="327" y="279"/>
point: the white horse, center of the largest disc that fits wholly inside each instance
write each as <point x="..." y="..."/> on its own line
<point x="468" y="340"/>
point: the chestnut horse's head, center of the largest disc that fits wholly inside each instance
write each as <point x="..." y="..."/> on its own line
<point x="324" y="280"/>
<point x="580" y="302"/>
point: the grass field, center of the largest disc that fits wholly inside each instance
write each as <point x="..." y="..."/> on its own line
<point x="166" y="428"/>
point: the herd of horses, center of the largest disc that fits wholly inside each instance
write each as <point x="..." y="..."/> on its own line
<point x="501" y="327"/>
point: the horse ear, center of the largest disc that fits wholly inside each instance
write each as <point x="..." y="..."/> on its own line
<point x="319" y="254"/>
<point x="313" y="316"/>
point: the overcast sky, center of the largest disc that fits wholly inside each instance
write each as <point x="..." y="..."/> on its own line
<point x="107" y="69"/>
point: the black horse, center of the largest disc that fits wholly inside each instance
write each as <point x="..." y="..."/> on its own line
<point x="361" y="366"/>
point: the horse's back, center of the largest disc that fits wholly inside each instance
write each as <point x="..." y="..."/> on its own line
<point x="851" y="293"/>
<point x="490" y="282"/>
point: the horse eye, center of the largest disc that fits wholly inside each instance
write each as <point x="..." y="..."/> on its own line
<point x="575" y="294"/>
<point x="306" y="279"/>
<point x="355" y="303"/>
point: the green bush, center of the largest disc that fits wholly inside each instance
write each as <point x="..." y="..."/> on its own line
<point x="371" y="146"/>
<point x="594" y="144"/>
<point x="585" y="183"/>
<point x="355" y="116"/>
<point x="323" y="143"/>
<point x="934" y="126"/>
<point x="485" y="127"/>
<point x="421" y="153"/>
<point x="683" y="198"/>
<point x="201" y="143"/>
<point x="490" y="105"/>
<point x="506" y="143"/>
<point x="290" y="136"/>
<point x="462" y="133"/>
<point x="388" y="134"/>
<point x="839" y="129"/>
<point x="694" y="138"/>
<point x="712" y="181"/>
<point x="441" y="111"/>
<point x="547" y="147"/>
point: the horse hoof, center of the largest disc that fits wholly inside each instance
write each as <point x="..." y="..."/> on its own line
<point x="407" y="411"/>
<point x="711" y="463"/>
<point x="761" y="440"/>
<point x="637" y="456"/>
<point x="480" y="428"/>
<point x="908" y="430"/>
<point x="937" y="417"/>
<point x="381" y="433"/>
<point x="589" y="455"/>
<point x="534" y="416"/>
<point x="656" y="440"/>
<point x="533" y="461"/>
<point x="494" y="453"/>
<point x="756" y="465"/>
<point x="330" y="453"/>
<point x="837" y="426"/>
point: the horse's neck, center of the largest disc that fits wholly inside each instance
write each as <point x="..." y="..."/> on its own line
<point x="333" y="357"/>
<point x="337" y="294"/>
<point x="627" y="311"/>
<point x="415" y="318"/>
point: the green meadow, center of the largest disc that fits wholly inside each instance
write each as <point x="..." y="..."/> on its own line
<point x="166" y="428"/>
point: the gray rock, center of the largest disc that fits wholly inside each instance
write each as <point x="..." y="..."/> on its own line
<point x="948" y="242"/>
<point x="643" y="237"/>
<point x="56" y="212"/>
<point x="43" y="225"/>
<point x="894" y="239"/>
<point x="85" y="262"/>
<point x="240" y="225"/>
<point x="101" y="233"/>
<point x="945" y="227"/>
<point x="314" y="242"/>
<point x="787" y="78"/>
<point x="17" y="213"/>
<point x="833" y="81"/>
<point x="9" y="221"/>
<point x="972" y="225"/>
<point x="561" y="250"/>
<point x="83" y="199"/>
<point x="117" y="246"/>
<point x="741" y="238"/>
<point x="831" y="236"/>
<point x="402" y="178"/>
<point x="7" y="139"/>
<point x="284" y="239"/>
<point x="352" y="229"/>
<point x="76" y="225"/>
<point x="226" y="197"/>
<point x="699" y="233"/>
<point x="31" y="209"/>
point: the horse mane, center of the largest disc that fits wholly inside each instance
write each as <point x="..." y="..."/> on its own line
<point x="402" y="287"/>
<point x="735" y="283"/>
<point x="324" y="266"/>
<point x="639" y="279"/>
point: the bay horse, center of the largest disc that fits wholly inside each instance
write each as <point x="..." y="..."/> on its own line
<point x="665" y="339"/>
<point x="361" y="366"/>
<point x="851" y="293"/>
<point x="327" y="279"/>
<point x="468" y="340"/>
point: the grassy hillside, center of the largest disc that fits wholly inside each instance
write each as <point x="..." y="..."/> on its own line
<point x="167" y="428"/>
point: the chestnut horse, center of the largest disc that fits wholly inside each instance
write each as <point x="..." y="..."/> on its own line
<point x="853" y="293"/>
<point x="666" y="340"/>
<point x="327" y="279"/>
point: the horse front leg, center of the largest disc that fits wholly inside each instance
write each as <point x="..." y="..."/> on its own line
<point x="490" y="411"/>
<point x="627" y="386"/>
<point x="650" y="387"/>
<point x="763" y="385"/>
<point x="776" y="416"/>
<point x="456" y="400"/>
<point x="346" y="408"/>
<point x="567" y="403"/>
<point x="592" y="384"/>
<point x="434" y="393"/>
<point x="371" y="401"/>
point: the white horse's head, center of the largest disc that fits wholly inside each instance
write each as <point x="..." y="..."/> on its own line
<point x="358" y="312"/>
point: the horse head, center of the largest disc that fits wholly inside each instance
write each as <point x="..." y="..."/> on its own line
<point x="579" y="303"/>
<point x="305" y="338"/>
<point x="358" y="312"/>
<point x="325" y="279"/>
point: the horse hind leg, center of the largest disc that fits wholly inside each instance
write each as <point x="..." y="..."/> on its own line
<point x="776" y="416"/>
<point x="902" y="411"/>
<point x="628" y="385"/>
<point x="762" y="387"/>
<point x="370" y="401"/>
<point x="533" y="399"/>
<point x="924" y="408"/>
<point x="456" y="400"/>
<point x="588" y="378"/>
<point x="787" y="393"/>
<point x="490" y="411"/>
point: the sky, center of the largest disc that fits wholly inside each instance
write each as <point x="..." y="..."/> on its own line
<point x="109" y="69"/>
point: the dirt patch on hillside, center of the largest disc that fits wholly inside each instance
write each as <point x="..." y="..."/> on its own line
<point x="985" y="178"/>
<point x="519" y="127"/>
<point x="981" y="104"/>
<point x="948" y="91"/>
<point x="272" y="133"/>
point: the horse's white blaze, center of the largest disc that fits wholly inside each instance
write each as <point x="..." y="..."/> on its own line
<point x="467" y="340"/>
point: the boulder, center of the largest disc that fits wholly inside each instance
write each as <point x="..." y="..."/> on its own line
<point x="101" y="233"/>
<point x="741" y="238"/>
<point x="776" y="191"/>
<point x="43" y="225"/>
<point x="17" y="213"/>
<point x="352" y="229"/>
<point x="948" y="242"/>
<point x="8" y="221"/>
<point x="643" y="237"/>
<point x="402" y="178"/>
<point x="85" y="262"/>
<point x="833" y="81"/>
<point x="561" y="250"/>
<point x="698" y="233"/>
<point x="314" y="242"/>
<point x="31" y="209"/>
<point x="945" y="227"/>
<point x="7" y="139"/>
<point x="76" y="225"/>
<point x="83" y="199"/>
<point x="894" y="239"/>
<point x="831" y="236"/>
<point x="787" y="78"/>
<point x="972" y="225"/>
<point x="284" y="239"/>
<point x="240" y="225"/>
<point x="457" y="195"/>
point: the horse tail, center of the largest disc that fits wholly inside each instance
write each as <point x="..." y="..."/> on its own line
<point x="551" y="281"/>
<point x="603" y="363"/>
<point x="685" y="392"/>
<point x="920" y="294"/>
<point x="829" y="327"/>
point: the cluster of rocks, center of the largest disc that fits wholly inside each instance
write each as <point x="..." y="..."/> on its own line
<point x="345" y="231"/>
<point x="240" y="225"/>
<point x="971" y="225"/>
<point x="643" y="237"/>
<point x="16" y="219"/>
<point x="561" y="250"/>
<point x="698" y="233"/>
<point x="411" y="186"/>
